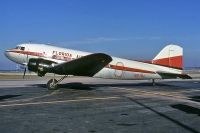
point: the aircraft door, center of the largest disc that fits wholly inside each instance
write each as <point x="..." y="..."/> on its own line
<point x="119" y="70"/>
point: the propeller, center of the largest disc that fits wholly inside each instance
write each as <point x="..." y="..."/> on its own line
<point x="25" y="66"/>
<point x="24" y="72"/>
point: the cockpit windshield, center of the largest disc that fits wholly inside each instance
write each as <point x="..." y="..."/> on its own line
<point x="20" y="48"/>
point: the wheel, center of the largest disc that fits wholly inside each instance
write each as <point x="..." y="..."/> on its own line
<point x="52" y="84"/>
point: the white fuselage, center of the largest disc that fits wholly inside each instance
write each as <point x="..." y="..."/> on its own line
<point x="118" y="68"/>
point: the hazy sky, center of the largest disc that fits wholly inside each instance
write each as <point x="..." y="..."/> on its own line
<point x="135" y="29"/>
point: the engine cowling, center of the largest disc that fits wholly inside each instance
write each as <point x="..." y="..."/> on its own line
<point x="40" y="66"/>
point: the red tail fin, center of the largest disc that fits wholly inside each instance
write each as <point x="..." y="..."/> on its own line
<point x="170" y="56"/>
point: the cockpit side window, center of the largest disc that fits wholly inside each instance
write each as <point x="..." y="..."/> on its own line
<point x="20" y="48"/>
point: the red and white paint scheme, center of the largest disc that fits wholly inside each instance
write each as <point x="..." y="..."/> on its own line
<point x="43" y="59"/>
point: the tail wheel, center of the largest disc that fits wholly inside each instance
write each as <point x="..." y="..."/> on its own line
<point x="52" y="84"/>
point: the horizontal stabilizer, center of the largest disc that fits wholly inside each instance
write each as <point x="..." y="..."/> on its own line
<point x="173" y="75"/>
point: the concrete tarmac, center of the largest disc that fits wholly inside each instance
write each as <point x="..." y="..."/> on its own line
<point x="89" y="105"/>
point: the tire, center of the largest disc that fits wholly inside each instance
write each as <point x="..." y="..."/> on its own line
<point x="52" y="84"/>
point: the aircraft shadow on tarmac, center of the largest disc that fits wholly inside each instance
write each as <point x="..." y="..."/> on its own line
<point x="81" y="86"/>
<point x="74" y="85"/>
<point x="8" y="96"/>
<point x="182" y="107"/>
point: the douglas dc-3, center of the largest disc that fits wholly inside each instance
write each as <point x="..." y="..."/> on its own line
<point x="42" y="59"/>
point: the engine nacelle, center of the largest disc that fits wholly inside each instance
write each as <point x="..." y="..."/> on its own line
<point x="40" y="66"/>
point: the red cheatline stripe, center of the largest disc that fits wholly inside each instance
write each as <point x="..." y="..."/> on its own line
<point x="28" y="53"/>
<point x="110" y="66"/>
<point x="129" y="69"/>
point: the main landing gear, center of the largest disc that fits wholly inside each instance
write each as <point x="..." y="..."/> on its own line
<point x="153" y="82"/>
<point x="52" y="84"/>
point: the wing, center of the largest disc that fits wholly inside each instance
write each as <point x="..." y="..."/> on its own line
<point x="173" y="75"/>
<point x="85" y="66"/>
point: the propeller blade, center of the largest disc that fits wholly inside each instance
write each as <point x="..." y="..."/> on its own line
<point x="25" y="66"/>
<point x="24" y="72"/>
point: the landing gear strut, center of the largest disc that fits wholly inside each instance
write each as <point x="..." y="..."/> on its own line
<point x="153" y="82"/>
<point x="52" y="84"/>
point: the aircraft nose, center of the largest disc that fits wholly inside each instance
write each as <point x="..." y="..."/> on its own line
<point x="7" y="53"/>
